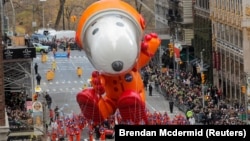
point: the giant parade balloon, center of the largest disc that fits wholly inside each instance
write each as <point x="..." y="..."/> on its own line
<point x="111" y="32"/>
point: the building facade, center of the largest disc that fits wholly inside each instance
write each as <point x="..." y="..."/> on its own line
<point x="179" y="16"/>
<point x="221" y="30"/>
<point x="202" y="41"/>
<point x="231" y="46"/>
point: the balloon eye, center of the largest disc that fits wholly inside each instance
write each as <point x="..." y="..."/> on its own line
<point x="94" y="23"/>
<point x="95" y="30"/>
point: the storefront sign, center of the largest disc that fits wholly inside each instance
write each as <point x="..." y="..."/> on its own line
<point x="19" y="53"/>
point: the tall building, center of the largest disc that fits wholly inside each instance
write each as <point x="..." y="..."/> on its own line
<point x="179" y="16"/>
<point x="231" y="46"/>
<point x="202" y="41"/>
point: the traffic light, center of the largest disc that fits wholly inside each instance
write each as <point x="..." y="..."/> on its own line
<point x="207" y="97"/>
<point x="171" y="49"/>
<point x="73" y="18"/>
<point x="203" y="78"/>
<point x="243" y="89"/>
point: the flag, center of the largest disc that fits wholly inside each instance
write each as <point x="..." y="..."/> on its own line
<point x="177" y="50"/>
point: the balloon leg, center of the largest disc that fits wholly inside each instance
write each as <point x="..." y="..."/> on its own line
<point x="132" y="107"/>
<point x="88" y="102"/>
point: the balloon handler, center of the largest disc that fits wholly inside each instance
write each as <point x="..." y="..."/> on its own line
<point x="111" y="34"/>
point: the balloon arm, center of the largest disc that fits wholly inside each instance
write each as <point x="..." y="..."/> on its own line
<point x="149" y="46"/>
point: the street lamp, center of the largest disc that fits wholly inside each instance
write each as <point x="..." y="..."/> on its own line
<point x="175" y="59"/>
<point x="247" y="98"/>
<point x="202" y="84"/>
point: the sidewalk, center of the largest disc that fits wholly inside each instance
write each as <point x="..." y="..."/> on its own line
<point x="159" y="103"/>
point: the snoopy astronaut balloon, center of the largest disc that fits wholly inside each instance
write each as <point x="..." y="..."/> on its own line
<point x="111" y="34"/>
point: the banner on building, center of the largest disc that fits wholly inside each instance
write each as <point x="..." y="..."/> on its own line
<point x="177" y="51"/>
<point x="37" y="115"/>
<point x="218" y="61"/>
<point x="19" y="53"/>
<point x="29" y="105"/>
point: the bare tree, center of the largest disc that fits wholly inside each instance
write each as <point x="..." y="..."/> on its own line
<point x="60" y="12"/>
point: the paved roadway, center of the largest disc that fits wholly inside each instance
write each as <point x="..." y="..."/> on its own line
<point x="66" y="84"/>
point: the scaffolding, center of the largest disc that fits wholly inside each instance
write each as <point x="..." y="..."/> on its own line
<point x="18" y="76"/>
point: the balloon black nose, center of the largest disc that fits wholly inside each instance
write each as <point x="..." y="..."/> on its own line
<point x="117" y="65"/>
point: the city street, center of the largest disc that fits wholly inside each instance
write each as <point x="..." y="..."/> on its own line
<point x="66" y="84"/>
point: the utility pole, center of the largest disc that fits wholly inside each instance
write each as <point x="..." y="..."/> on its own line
<point x="174" y="61"/>
<point x="187" y="58"/>
<point x="202" y="84"/>
<point x="44" y="103"/>
<point x="247" y="98"/>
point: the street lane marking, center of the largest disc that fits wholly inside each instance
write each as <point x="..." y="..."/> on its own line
<point x="150" y="106"/>
<point x="75" y="82"/>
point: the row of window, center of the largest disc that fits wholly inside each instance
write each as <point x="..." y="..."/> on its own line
<point x="234" y="6"/>
<point x="202" y="3"/>
<point x="230" y="34"/>
<point x="231" y="63"/>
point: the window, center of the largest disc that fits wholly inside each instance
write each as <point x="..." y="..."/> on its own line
<point x="208" y="4"/>
<point x="227" y="33"/>
<point x="240" y="7"/>
<point x="233" y="5"/>
<point x="218" y="31"/>
<point x="236" y="36"/>
<point x="240" y="39"/>
<point x="223" y="30"/>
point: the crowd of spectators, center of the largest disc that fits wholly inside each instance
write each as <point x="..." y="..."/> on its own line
<point x="186" y="90"/>
<point x="18" y="116"/>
